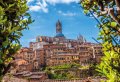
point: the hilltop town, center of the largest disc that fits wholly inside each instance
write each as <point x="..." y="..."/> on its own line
<point x="55" y="51"/>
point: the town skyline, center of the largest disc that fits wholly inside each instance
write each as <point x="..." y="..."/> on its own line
<point x="74" y="22"/>
<point x="57" y="58"/>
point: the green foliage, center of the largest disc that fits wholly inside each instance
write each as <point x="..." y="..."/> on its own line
<point x="60" y="75"/>
<point x="110" y="67"/>
<point x="62" y="71"/>
<point x="109" y="27"/>
<point x="13" y="20"/>
<point x="66" y="66"/>
<point x="70" y="71"/>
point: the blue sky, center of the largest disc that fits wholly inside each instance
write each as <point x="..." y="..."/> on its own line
<point x="47" y="12"/>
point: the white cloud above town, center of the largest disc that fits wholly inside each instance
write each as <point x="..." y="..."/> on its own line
<point x="34" y="8"/>
<point x="61" y="1"/>
<point x="41" y="5"/>
<point x="67" y="13"/>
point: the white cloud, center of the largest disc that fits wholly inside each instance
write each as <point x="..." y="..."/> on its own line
<point x="67" y="14"/>
<point x="43" y="6"/>
<point x="61" y="1"/>
<point x="39" y="6"/>
<point x="34" y="8"/>
<point x="55" y="1"/>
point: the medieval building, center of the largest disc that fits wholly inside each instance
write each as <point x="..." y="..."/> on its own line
<point x="57" y="50"/>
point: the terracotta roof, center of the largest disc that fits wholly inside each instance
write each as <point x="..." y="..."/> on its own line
<point x="38" y="72"/>
<point x="35" y="77"/>
<point x="22" y="73"/>
<point x="28" y="74"/>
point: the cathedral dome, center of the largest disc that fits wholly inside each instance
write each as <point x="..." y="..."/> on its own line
<point x="59" y="35"/>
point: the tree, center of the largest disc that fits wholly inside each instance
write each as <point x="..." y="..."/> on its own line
<point x="108" y="18"/>
<point x="14" y="18"/>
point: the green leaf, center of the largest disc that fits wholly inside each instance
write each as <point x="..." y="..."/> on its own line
<point x="86" y="11"/>
<point x="5" y="43"/>
<point x="1" y="61"/>
<point x="11" y="5"/>
<point x="3" y="20"/>
<point x="113" y="24"/>
<point x="15" y="28"/>
<point x="27" y="14"/>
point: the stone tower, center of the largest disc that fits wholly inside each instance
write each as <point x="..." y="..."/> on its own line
<point x="59" y="29"/>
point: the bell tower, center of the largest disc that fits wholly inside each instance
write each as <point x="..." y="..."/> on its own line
<point x="59" y="30"/>
<point x="58" y="27"/>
